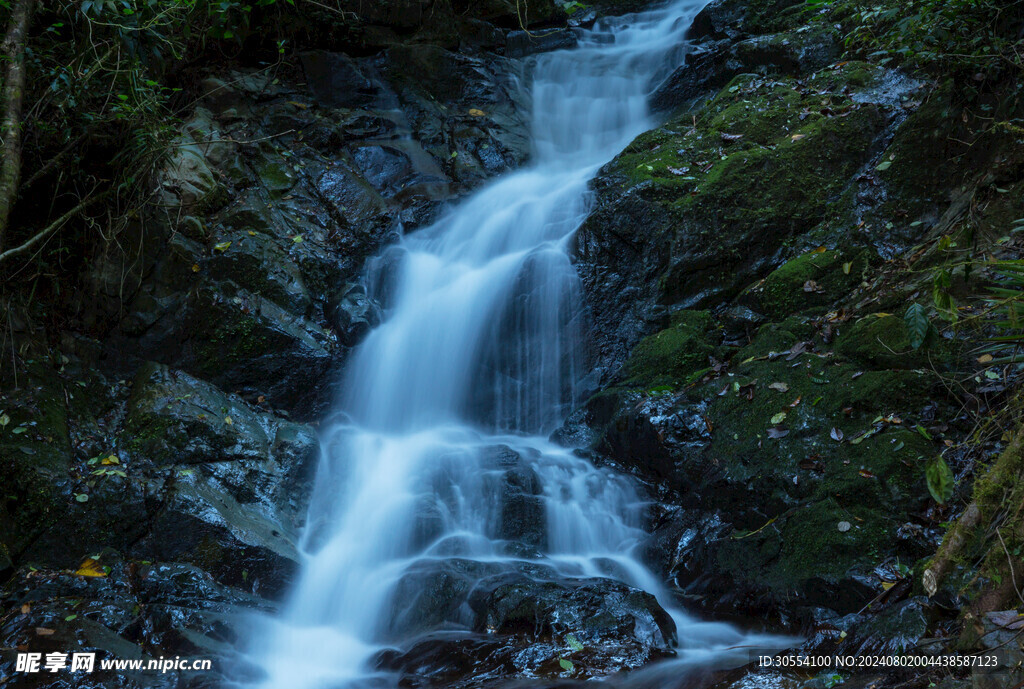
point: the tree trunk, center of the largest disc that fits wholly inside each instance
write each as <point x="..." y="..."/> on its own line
<point x="11" y="125"/>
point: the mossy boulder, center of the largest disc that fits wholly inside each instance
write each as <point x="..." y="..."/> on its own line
<point x="34" y="460"/>
<point x="700" y="208"/>
<point x="174" y="418"/>
<point x="806" y="462"/>
<point x="883" y="340"/>
<point x="817" y="278"/>
<point x="672" y="356"/>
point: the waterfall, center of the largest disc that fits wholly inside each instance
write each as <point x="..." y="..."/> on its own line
<point x="479" y="357"/>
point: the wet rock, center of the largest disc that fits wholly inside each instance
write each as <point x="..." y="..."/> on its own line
<point x="532" y="622"/>
<point x="688" y="185"/>
<point x="522" y="43"/>
<point x="353" y="314"/>
<point x="132" y="610"/>
<point x="337" y="81"/>
<point x="795" y="464"/>
<point x="175" y="419"/>
<point x="521" y="516"/>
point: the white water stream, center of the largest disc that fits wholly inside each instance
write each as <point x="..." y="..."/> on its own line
<point x="480" y="348"/>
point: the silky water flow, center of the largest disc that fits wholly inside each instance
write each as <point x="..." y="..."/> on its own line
<point x="479" y="358"/>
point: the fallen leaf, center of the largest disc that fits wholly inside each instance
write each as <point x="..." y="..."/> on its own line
<point x="796" y="350"/>
<point x="297" y="239"/>
<point x="781" y="387"/>
<point x="797" y="137"/>
<point x="836" y="435"/>
<point x="476" y="112"/>
<point x="882" y="167"/>
<point x="796" y="401"/>
<point x="91" y="568"/>
<point x="866" y="473"/>
<point x="778" y="418"/>
<point x="846" y="268"/>
<point x="844" y="526"/>
<point x="25" y="609"/>
<point x="195" y="267"/>
<point x="222" y="246"/>
<point x="1008" y="619"/>
<point x="812" y="463"/>
<point x="984" y="358"/>
<point x="43" y="631"/>
<point x="777" y="432"/>
<point x="812" y="286"/>
<point x="297" y="104"/>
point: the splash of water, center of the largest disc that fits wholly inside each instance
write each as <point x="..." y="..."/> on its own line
<point x="480" y="356"/>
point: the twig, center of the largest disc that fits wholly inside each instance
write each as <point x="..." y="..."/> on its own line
<point x="56" y="224"/>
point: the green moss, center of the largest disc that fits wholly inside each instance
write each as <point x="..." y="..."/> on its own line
<point x="276" y="176"/>
<point x="817" y="278"/>
<point x="792" y="182"/>
<point x="672" y="356"/>
<point x="884" y="341"/>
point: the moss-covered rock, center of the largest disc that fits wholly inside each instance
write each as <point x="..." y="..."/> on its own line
<point x="672" y="356"/>
<point x="817" y="278"/>
<point x="883" y="340"/>
<point x="705" y="205"/>
<point x="175" y="419"/>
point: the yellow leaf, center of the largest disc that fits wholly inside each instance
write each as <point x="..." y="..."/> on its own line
<point x="91" y="568"/>
<point x="779" y="418"/>
<point x="227" y="420"/>
<point x="820" y="250"/>
<point x="797" y="137"/>
<point x="223" y="246"/>
<point x="195" y="267"/>
<point x="297" y="239"/>
<point x="476" y="112"/>
<point x="251" y="233"/>
<point x="984" y="358"/>
<point x="846" y="268"/>
<point x="297" y="104"/>
<point x="112" y="459"/>
<point x="886" y="585"/>
<point x="881" y="314"/>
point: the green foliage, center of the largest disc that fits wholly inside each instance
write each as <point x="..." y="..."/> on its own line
<point x="106" y="81"/>
<point x="1006" y="311"/>
<point x="940" y="479"/>
<point x="979" y="38"/>
<point x="917" y="325"/>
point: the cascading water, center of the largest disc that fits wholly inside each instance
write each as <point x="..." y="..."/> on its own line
<point x="479" y="354"/>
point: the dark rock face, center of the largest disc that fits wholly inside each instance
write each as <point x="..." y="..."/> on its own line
<point x="135" y="611"/>
<point x="161" y="516"/>
<point x="237" y="275"/>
